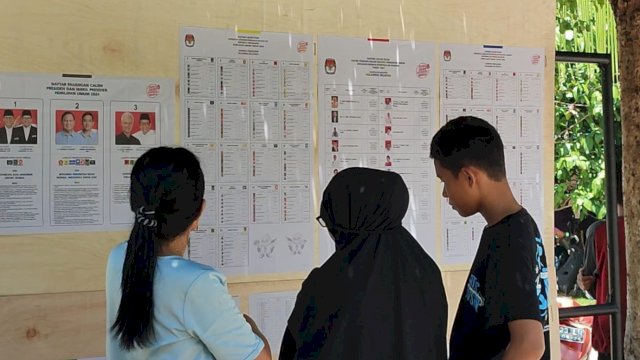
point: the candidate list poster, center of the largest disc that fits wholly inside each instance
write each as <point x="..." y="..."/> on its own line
<point x="504" y="86"/>
<point x="377" y="109"/>
<point x="58" y="160"/>
<point x="246" y="112"/>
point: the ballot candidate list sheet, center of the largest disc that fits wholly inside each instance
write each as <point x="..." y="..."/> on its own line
<point x="504" y="86"/>
<point x="64" y="166"/>
<point x="246" y="113"/>
<point x="377" y="109"/>
<point x="271" y="311"/>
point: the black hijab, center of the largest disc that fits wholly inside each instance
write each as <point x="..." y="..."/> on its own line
<point x="379" y="296"/>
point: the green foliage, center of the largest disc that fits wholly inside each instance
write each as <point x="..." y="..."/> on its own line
<point x="587" y="26"/>
<point x="582" y="26"/>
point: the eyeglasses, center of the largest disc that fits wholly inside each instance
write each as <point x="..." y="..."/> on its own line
<point x="320" y="221"/>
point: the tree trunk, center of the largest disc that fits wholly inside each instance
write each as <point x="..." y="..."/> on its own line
<point x="627" y="14"/>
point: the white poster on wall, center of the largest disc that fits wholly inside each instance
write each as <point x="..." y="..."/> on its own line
<point x="377" y="109"/>
<point x="134" y="128"/>
<point x="61" y="167"/>
<point x="271" y="311"/>
<point x="504" y="86"/>
<point x="246" y="107"/>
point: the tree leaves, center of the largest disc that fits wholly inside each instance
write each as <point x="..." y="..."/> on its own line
<point x="579" y="137"/>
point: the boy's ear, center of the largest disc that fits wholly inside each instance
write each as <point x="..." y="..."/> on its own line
<point x="469" y="175"/>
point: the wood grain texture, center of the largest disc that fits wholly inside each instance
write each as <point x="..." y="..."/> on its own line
<point x="627" y="22"/>
<point x="69" y="325"/>
<point x="47" y="263"/>
<point x="52" y="326"/>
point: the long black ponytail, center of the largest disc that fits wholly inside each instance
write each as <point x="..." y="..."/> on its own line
<point x="167" y="188"/>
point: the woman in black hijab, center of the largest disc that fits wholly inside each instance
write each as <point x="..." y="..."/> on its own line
<point x="379" y="296"/>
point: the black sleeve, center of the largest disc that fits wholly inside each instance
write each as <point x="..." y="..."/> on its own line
<point x="298" y="319"/>
<point x="288" y="346"/>
<point x="511" y="292"/>
<point x="440" y="338"/>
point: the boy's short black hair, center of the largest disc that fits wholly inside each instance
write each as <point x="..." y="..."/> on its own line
<point x="469" y="141"/>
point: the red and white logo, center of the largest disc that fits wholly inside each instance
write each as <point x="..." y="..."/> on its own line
<point x="422" y="70"/>
<point x="330" y="66"/>
<point x="153" y="90"/>
<point x="302" y="46"/>
<point x="189" y="40"/>
<point x="535" y="59"/>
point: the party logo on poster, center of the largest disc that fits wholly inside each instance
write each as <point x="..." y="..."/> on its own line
<point x="153" y="90"/>
<point x="302" y="46"/>
<point x="330" y="66"/>
<point x="447" y="55"/>
<point x="189" y="40"/>
<point x="535" y="59"/>
<point x="422" y="70"/>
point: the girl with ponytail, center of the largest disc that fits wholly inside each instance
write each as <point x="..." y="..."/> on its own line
<point x="160" y="305"/>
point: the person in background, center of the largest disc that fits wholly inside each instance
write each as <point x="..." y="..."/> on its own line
<point x="88" y="133"/>
<point x="146" y="135"/>
<point x="68" y="136"/>
<point x="334" y="102"/>
<point x="3" y="129"/>
<point x="335" y="146"/>
<point x="160" y="305"/>
<point x="125" y="137"/>
<point x="30" y="130"/>
<point x="503" y="312"/>
<point x="10" y="134"/>
<point x="334" y="116"/>
<point x="593" y="277"/>
<point x="379" y="296"/>
<point x="388" y="161"/>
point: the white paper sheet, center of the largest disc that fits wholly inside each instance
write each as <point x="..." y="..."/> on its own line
<point x="377" y="109"/>
<point x="71" y="175"/>
<point x="271" y="312"/>
<point x="502" y="85"/>
<point x="247" y="112"/>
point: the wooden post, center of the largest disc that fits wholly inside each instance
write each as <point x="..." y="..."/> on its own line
<point x="627" y="14"/>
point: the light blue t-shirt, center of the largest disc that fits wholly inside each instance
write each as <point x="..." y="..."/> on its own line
<point x="65" y="138"/>
<point x="194" y="316"/>
<point x="91" y="139"/>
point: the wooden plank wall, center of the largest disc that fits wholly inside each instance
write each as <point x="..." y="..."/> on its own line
<point x="52" y="286"/>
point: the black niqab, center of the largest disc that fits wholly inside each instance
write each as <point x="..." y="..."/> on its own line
<point x="379" y="296"/>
